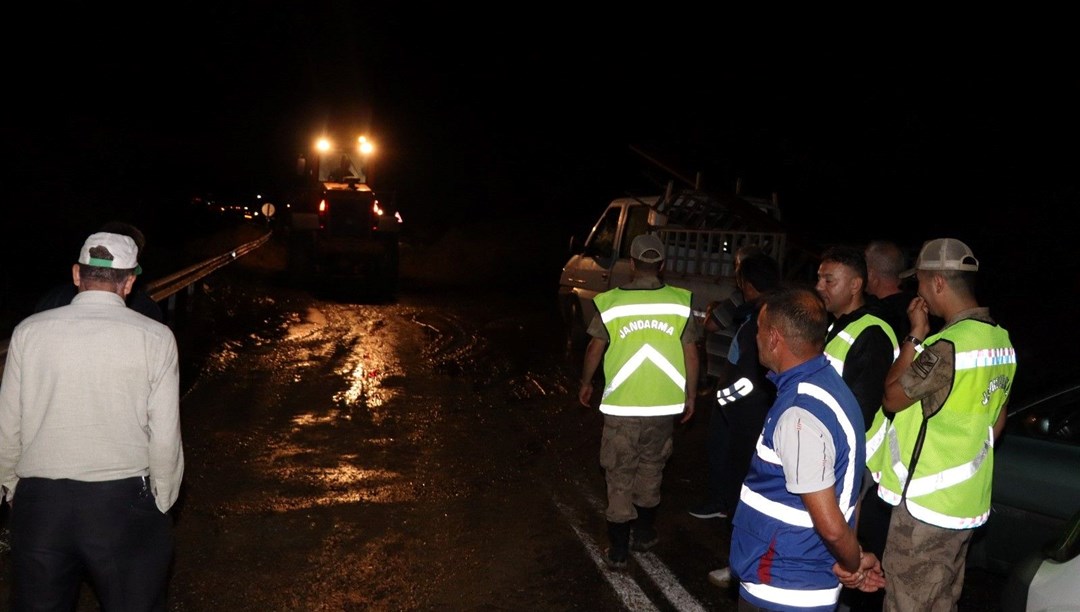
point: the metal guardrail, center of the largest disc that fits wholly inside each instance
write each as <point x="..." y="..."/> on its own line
<point x="167" y="287"/>
<point x="164" y="288"/>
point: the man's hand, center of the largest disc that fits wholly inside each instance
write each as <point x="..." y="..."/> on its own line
<point x="688" y="409"/>
<point x="585" y="394"/>
<point x="869" y="577"/>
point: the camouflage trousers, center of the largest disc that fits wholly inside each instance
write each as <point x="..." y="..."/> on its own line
<point x="924" y="564"/>
<point x="633" y="452"/>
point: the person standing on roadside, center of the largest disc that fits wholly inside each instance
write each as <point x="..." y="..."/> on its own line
<point x="862" y="346"/>
<point x="747" y="393"/>
<point x="948" y="394"/>
<point x="885" y="262"/>
<point x="91" y="459"/>
<point x="138" y="299"/>
<point x="793" y="543"/>
<point x="646" y="337"/>
<point x="715" y="505"/>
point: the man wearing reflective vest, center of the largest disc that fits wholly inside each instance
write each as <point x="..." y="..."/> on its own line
<point x="948" y="393"/>
<point x="861" y="346"/>
<point x="647" y="339"/>
<point x="793" y="541"/>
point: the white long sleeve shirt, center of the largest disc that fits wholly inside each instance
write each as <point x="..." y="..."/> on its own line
<point x="91" y="392"/>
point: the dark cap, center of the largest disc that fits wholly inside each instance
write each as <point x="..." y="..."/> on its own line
<point x="944" y="254"/>
<point x="647" y="248"/>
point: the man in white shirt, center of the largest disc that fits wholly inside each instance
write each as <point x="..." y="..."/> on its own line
<point x="90" y="442"/>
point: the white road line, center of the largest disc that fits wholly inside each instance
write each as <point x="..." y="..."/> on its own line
<point x="657" y="571"/>
<point x="628" y="591"/>
<point x="667" y="582"/>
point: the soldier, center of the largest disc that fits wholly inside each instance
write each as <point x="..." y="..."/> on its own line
<point x="647" y="339"/>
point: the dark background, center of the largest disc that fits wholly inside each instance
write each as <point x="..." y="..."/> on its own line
<point x="865" y="126"/>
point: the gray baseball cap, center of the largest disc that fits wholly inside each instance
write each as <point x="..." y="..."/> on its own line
<point x="944" y="254"/>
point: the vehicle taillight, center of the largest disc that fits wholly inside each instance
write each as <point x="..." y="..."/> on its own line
<point x="375" y="208"/>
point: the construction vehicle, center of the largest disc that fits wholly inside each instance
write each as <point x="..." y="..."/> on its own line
<point x="339" y="233"/>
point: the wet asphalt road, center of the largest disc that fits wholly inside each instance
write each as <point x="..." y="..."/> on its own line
<point x="421" y="453"/>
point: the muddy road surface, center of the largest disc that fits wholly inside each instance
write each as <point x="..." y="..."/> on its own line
<point x="423" y="453"/>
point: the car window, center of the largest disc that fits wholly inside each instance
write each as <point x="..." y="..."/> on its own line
<point x="1050" y="415"/>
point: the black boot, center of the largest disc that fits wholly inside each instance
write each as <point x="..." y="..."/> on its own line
<point x="644" y="533"/>
<point x="619" y="548"/>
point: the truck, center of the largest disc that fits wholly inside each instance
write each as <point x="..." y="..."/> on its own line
<point x="701" y="233"/>
<point x="339" y="233"/>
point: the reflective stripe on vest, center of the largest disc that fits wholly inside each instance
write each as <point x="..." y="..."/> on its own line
<point x="791" y="597"/>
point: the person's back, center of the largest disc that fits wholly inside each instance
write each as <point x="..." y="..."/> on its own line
<point x="642" y="318"/>
<point x="90" y="442"/>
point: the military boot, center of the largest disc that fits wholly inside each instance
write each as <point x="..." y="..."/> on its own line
<point x="619" y="544"/>
<point x="644" y="532"/>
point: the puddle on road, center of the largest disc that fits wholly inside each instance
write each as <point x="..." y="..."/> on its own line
<point x="301" y="327"/>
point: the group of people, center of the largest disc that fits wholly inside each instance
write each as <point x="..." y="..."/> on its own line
<point x="853" y="439"/>
<point x="91" y="457"/>
<point x="856" y="454"/>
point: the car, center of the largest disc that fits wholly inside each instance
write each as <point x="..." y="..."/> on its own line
<point x="1032" y="536"/>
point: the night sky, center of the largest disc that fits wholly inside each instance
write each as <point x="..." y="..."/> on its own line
<point x="535" y="112"/>
<point x="506" y="113"/>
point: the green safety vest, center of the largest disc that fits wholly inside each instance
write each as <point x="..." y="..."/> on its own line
<point x="836" y="352"/>
<point x="644" y="366"/>
<point x="837" y="349"/>
<point x="951" y="483"/>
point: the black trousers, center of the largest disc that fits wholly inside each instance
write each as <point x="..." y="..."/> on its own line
<point x="112" y="531"/>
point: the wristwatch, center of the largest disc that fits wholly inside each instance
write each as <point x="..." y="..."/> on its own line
<point x="913" y="340"/>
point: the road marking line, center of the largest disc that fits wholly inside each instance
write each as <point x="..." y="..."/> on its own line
<point x="667" y="582"/>
<point x="657" y="571"/>
<point x="631" y="595"/>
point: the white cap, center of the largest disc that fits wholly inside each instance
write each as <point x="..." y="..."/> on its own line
<point x="105" y="250"/>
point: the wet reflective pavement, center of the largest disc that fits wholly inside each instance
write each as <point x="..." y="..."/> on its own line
<point x="425" y="453"/>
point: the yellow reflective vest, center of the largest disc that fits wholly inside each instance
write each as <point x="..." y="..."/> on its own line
<point x="949" y="485"/>
<point x="644" y="367"/>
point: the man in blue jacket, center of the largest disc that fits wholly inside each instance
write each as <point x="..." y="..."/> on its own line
<point x="793" y="545"/>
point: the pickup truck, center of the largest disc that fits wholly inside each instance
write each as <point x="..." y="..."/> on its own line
<point x="700" y="232"/>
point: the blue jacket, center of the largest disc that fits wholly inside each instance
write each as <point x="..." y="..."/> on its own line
<point x="777" y="555"/>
